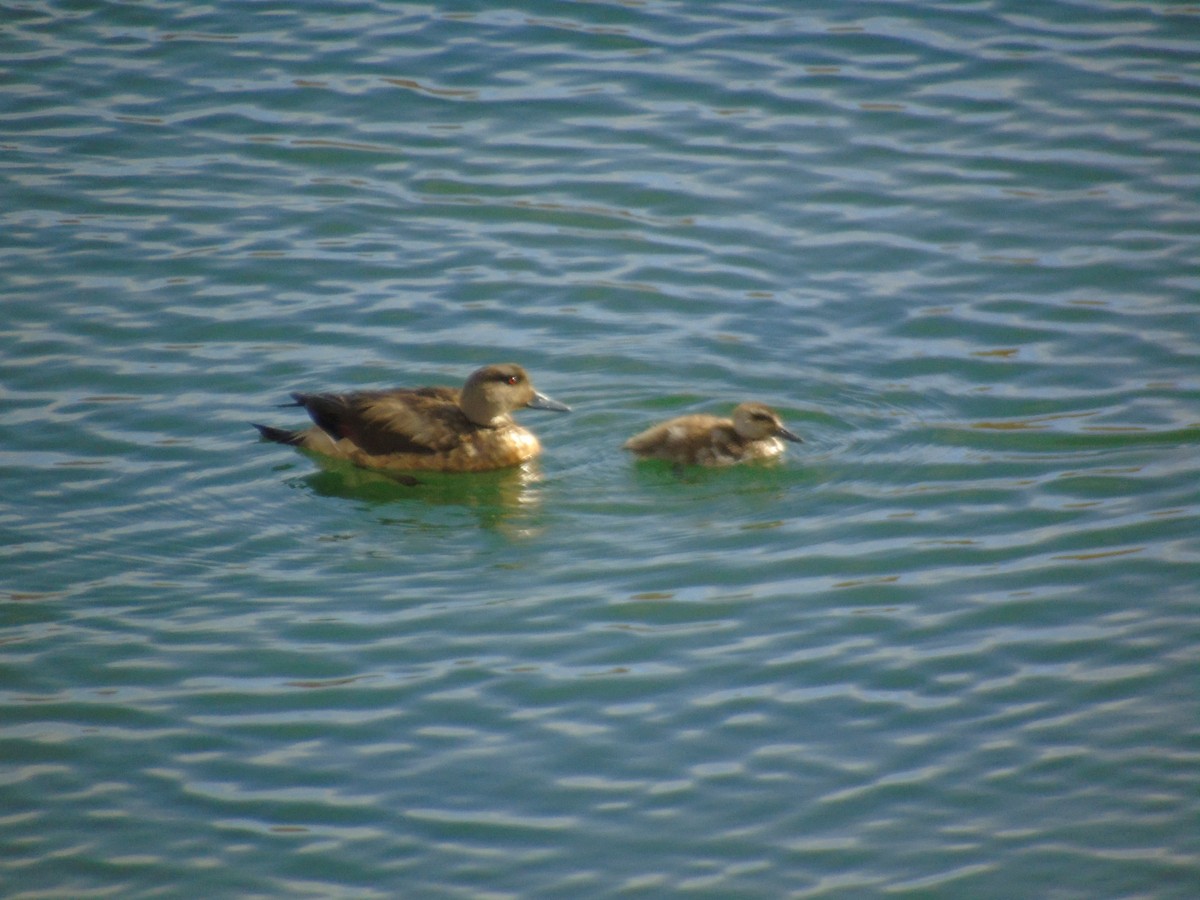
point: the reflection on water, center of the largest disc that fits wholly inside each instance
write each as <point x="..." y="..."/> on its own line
<point x="761" y="477"/>
<point x="507" y="500"/>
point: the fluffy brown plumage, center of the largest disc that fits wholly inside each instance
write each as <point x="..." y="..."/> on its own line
<point x="754" y="432"/>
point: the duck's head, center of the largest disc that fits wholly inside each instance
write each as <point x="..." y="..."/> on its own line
<point x="492" y="392"/>
<point x="757" y="421"/>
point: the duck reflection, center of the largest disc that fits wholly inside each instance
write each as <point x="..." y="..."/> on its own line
<point x="507" y="500"/>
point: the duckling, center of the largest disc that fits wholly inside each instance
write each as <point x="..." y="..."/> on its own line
<point x="754" y="432"/>
<point x="430" y="428"/>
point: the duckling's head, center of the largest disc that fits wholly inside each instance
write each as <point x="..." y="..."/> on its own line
<point x="757" y="422"/>
<point x="492" y="392"/>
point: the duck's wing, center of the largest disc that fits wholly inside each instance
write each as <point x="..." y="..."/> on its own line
<point x="425" y="420"/>
<point x="677" y="437"/>
<point x="448" y="394"/>
<point x="726" y="443"/>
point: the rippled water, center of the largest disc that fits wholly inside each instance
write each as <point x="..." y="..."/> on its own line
<point x="948" y="648"/>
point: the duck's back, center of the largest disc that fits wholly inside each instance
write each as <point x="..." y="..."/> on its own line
<point x="420" y="421"/>
<point x="691" y="440"/>
<point x="420" y="428"/>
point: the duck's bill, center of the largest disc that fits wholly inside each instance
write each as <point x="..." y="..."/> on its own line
<point x="541" y="401"/>
<point x="789" y="436"/>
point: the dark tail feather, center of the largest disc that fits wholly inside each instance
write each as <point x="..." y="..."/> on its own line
<point x="279" y="435"/>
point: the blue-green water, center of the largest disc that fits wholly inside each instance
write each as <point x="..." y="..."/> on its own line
<point x="948" y="648"/>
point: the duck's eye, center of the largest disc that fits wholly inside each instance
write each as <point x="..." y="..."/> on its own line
<point x="512" y="379"/>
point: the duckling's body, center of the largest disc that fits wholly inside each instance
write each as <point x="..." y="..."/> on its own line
<point x="753" y="433"/>
<point x="438" y="428"/>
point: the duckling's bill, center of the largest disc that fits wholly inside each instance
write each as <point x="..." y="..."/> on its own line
<point x="789" y="435"/>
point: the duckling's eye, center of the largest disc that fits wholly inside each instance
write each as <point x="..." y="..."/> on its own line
<point x="512" y="379"/>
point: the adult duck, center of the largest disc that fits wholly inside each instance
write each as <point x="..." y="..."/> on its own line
<point x="440" y="428"/>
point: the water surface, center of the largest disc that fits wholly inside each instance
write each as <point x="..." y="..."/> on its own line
<point x="947" y="648"/>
